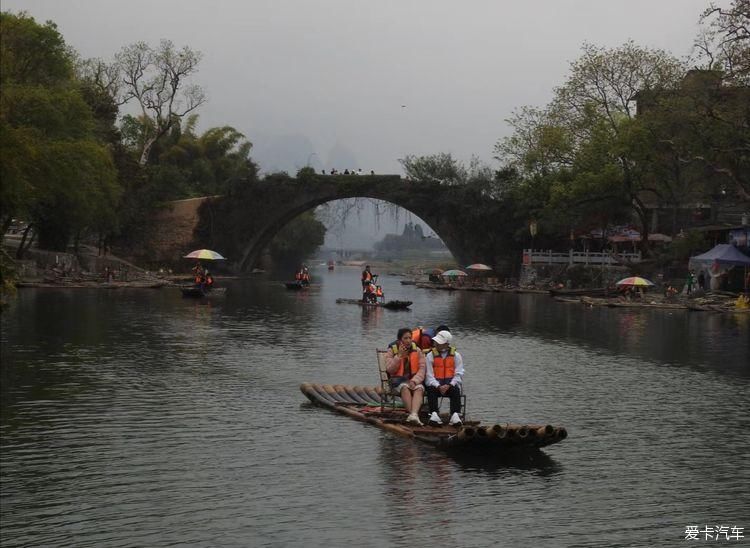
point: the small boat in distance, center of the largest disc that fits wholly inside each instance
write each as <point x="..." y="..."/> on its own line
<point x="391" y="305"/>
<point x="331" y="265"/>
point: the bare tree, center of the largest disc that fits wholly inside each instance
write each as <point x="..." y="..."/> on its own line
<point x="723" y="42"/>
<point x="158" y="80"/>
<point x="103" y="76"/>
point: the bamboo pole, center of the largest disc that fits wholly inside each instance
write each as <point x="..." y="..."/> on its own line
<point x="362" y="391"/>
<point x="353" y="394"/>
<point x="332" y="392"/>
<point x="497" y="432"/>
<point x="466" y="433"/>
<point x="545" y="431"/>
<point x="373" y="393"/>
<point x="322" y="394"/>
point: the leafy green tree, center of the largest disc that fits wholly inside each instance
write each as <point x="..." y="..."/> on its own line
<point x="581" y="143"/>
<point x="55" y="171"/>
<point x="297" y="240"/>
<point x="438" y="168"/>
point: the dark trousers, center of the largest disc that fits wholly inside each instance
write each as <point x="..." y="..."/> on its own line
<point x="454" y="393"/>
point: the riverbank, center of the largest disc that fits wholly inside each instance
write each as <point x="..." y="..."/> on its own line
<point x="709" y="304"/>
<point x="157" y="284"/>
<point x="486" y="288"/>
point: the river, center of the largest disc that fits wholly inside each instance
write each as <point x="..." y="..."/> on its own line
<point x="139" y="418"/>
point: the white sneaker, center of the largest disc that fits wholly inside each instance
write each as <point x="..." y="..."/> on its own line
<point x="455" y="420"/>
<point x="414" y="419"/>
<point x="435" y="419"/>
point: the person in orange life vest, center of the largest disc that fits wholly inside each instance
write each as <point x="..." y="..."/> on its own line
<point x="366" y="277"/>
<point x="305" y="276"/>
<point x="378" y="293"/>
<point x="298" y="275"/>
<point x="444" y="375"/>
<point x="406" y="370"/>
<point x="198" y="273"/>
<point x="209" y="280"/>
<point x="369" y="295"/>
<point x="422" y="337"/>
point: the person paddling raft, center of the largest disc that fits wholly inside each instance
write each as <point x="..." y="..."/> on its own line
<point x="367" y="277"/>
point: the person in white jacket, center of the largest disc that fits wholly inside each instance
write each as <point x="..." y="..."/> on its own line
<point x="444" y="375"/>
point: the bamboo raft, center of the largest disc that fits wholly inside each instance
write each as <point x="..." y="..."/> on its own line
<point x="363" y="404"/>
<point x="198" y="293"/>
<point x="392" y="305"/>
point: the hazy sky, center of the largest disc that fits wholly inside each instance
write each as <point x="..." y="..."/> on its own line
<point x="325" y="81"/>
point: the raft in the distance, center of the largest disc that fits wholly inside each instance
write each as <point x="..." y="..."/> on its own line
<point x="198" y="293"/>
<point x="362" y="403"/>
<point x="391" y="305"/>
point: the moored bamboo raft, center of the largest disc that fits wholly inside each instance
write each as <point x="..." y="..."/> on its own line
<point x="362" y="403"/>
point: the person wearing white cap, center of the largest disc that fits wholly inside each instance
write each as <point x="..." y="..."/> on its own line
<point x="444" y="375"/>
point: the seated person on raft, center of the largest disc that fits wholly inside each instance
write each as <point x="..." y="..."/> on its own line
<point x="422" y="336"/>
<point x="445" y="372"/>
<point x="406" y="370"/>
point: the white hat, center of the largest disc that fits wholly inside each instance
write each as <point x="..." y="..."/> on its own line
<point x="443" y="337"/>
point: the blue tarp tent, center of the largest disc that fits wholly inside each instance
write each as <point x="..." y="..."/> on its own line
<point x="725" y="255"/>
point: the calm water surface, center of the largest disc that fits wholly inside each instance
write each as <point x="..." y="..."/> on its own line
<point x="137" y="418"/>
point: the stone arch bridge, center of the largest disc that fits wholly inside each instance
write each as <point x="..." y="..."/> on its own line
<point x="244" y="223"/>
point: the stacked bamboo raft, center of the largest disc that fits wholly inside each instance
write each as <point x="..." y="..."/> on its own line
<point x="363" y="403"/>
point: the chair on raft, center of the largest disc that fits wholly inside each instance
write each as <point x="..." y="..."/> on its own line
<point x="388" y="396"/>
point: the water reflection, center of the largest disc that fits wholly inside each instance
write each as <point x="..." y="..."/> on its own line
<point x="181" y="419"/>
<point x="371" y="317"/>
<point x="501" y="462"/>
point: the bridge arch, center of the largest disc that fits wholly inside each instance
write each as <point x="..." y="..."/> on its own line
<point x="258" y="243"/>
<point x="246" y="222"/>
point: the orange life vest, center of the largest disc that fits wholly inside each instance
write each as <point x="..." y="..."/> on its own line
<point x="199" y="279"/>
<point x="366" y="276"/>
<point x="379" y="291"/>
<point x="410" y="365"/>
<point x="421" y="339"/>
<point x="444" y="368"/>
